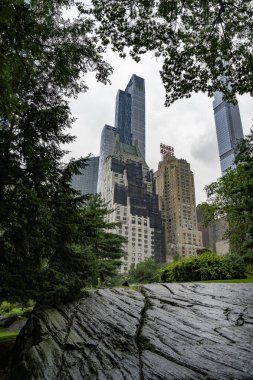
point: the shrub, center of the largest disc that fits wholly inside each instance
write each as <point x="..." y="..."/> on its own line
<point x="6" y="307"/>
<point x="208" y="266"/>
<point x="145" y="272"/>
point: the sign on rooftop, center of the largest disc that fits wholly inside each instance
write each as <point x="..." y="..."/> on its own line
<point x="166" y="150"/>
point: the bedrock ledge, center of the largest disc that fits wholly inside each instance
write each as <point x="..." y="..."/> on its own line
<point x="164" y="331"/>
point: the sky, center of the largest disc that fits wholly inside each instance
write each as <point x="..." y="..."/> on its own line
<point x="187" y="125"/>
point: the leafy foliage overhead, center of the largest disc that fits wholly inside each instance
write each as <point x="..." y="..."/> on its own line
<point x="198" y="41"/>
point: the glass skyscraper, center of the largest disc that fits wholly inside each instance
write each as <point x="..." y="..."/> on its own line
<point x="123" y="116"/>
<point x="86" y="181"/>
<point x="228" y="129"/>
<point x="129" y="122"/>
<point x="106" y="148"/>
<point x="136" y="87"/>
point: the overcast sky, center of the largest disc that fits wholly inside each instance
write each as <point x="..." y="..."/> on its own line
<point x="188" y="125"/>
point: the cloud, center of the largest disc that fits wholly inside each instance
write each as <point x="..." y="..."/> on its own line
<point x="204" y="149"/>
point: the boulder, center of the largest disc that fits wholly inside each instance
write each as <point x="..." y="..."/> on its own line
<point x="162" y="332"/>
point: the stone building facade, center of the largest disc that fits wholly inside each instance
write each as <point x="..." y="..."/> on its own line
<point x="128" y="187"/>
<point x="176" y="193"/>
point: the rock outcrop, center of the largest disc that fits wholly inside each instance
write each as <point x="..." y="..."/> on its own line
<point x="164" y="331"/>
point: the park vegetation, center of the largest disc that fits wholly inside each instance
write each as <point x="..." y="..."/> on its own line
<point x="145" y="272"/>
<point x="198" y="42"/>
<point x="53" y="241"/>
<point x="207" y="266"/>
<point x="231" y="197"/>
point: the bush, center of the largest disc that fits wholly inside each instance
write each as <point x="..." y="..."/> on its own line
<point x="6" y="307"/>
<point x="145" y="272"/>
<point x="208" y="266"/>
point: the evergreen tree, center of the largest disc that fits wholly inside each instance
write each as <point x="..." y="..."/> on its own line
<point x="43" y="59"/>
<point x="101" y="239"/>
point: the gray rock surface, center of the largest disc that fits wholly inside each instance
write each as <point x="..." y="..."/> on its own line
<point x="165" y="331"/>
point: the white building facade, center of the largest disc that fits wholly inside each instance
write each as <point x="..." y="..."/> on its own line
<point x="128" y="189"/>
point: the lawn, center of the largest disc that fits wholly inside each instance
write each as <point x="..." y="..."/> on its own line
<point x="8" y="335"/>
<point x="242" y="280"/>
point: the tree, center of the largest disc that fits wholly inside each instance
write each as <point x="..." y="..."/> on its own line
<point x="99" y="236"/>
<point x="198" y="41"/>
<point x="231" y="197"/>
<point x="43" y="59"/>
<point x="145" y="272"/>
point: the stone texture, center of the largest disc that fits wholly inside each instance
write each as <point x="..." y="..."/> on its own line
<point x="165" y="331"/>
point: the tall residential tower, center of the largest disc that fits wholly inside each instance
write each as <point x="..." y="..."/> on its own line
<point x="130" y="113"/>
<point x="106" y="148"/>
<point x="176" y="192"/>
<point x="129" y="190"/>
<point x="86" y="181"/>
<point x="136" y="87"/>
<point x="123" y="116"/>
<point x="228" y="129"/>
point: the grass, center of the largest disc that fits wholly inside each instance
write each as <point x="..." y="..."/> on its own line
<point x="14" y="310"/>
<point x="8" y="335"/>
<point x="241" y="280"/>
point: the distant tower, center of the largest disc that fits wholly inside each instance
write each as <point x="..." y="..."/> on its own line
<point x="86" y="181"/>
<point x="129" y="122"/>
<point x="106" y="148"/>
<point x="176" y="193"/>
<point x="136" y="87"/>
<point x="123" y="116"/>
<point x="129" y="190"/>
<point x="228" y="129"/>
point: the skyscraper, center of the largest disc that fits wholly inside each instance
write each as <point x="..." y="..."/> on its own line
<point x="136" y="87"/>
<point x="86" y="181"/>
<point x="128" y="189"/>
<point x="106" y="148"/>
<point x="123" y="116"/>
<point x="214" y="235"/>
<point x="129" y="122"/>
<point x="176" y="193"/>
<point x="228" y="129"/>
